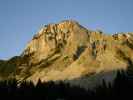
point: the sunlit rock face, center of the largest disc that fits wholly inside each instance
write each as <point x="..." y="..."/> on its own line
<point x="68" y="51"/>
<point x="55" y="38"/>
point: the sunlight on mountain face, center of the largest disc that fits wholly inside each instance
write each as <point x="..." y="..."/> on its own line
<point x="68" y="51"/>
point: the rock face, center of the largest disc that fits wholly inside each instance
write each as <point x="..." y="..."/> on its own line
<point x="68" y="51"/>
<point x="55" y="38"/>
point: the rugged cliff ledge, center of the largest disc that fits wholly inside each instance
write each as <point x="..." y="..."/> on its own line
<point x="66" y="51"/>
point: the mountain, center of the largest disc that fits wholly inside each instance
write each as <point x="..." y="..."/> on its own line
<point x="68" y="51"/>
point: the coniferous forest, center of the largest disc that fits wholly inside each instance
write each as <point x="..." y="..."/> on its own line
<point x="122" y="87"/>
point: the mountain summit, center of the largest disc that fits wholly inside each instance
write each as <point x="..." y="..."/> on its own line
<point x="68" y="51"/>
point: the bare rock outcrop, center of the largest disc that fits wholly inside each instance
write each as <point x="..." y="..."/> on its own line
<point x="68" y="51"/>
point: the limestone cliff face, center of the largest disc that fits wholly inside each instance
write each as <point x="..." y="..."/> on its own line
<point x="59" y="38"/>
<point x="68" y="51"/>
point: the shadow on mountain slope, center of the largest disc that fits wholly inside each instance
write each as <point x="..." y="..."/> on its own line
<point x="121" y="87"/>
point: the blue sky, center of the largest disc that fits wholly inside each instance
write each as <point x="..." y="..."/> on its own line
<point x="21" y="19"/>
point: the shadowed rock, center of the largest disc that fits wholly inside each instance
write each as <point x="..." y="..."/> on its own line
<point x="66" y="51"/>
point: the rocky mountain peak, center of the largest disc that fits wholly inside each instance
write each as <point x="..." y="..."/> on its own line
<point x="53" y="38"/>
<point x="67" y="51"/>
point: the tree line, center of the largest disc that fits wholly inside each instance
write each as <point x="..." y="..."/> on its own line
<point x="121" y="87"/>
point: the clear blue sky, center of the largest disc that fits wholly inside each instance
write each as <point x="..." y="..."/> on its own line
<point x="21" y="19"/>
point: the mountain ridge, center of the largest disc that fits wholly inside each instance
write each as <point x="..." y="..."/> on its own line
<point x="66" y="51"/>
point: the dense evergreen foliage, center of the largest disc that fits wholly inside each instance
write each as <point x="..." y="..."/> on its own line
<point x="122" y="87"/>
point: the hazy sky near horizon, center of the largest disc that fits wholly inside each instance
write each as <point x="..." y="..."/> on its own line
<point x="21" y="19"/>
